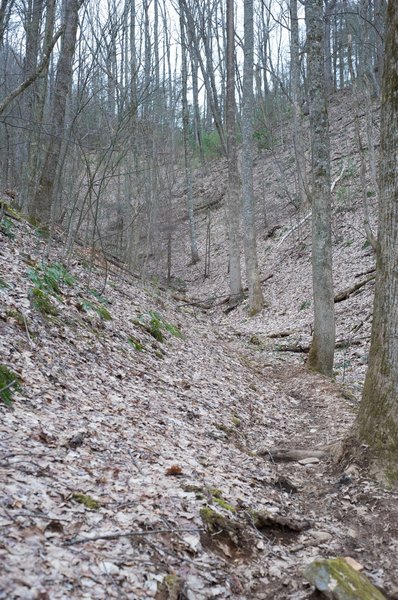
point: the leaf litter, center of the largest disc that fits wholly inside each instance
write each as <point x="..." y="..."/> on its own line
<point x="132" y="467"/>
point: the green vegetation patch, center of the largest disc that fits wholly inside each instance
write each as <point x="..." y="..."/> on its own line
<point x="86" y="500"/>
<point x="88" y="305"/>
<point x="156" y="326"/>
<point x="16" y="314"/>
<point x="49" y="278"/>
<point x="40" y="299"/>
<point x="136" y="344"/>
<point x="3" y="284"/>
<point x="304" y="305"/>
<point x="9" y="383"/>
<point x="7" y="228"/>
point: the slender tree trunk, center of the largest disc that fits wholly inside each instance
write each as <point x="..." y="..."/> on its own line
<point x="329" y="7"/>
<point x="256" y="300"/>
<point x="233" y="208"/>
<point x="5" y="12"/>
<point x="322" y="348"/>
<point x="377" y="422"/>
<point x="207" y="72"/>
<point x="298" y="133"/>
<point x="185" y="125"/>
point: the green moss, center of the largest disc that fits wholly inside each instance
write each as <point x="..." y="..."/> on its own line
<point x="41" y="301"/>
<point x="215" y="492"/>
<point x="236" y="421"/>
<point x="16" y="314"/>
<point x="86" y="500"/>
<point x="224" y="504"/>
<point x="171" y="587"/>
<point x="196" y="489"/>
<point x="103" y="312"/>
<point x="222" y="427"/>
<point x="338" y="576"/>
<point x="9" y="383"/>
<point x="212" y="518"/>
<point x="217" y="498"/>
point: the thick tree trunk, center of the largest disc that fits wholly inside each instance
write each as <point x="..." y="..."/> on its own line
<point x="377" y="421"/>
<point x="256" y="300"/>
<point x="40" y="209"/>
<point x="322" y="348"/>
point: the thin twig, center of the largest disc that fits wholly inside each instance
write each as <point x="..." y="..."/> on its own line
<point x="115" y="536"/>
<point x="27" y="331"/>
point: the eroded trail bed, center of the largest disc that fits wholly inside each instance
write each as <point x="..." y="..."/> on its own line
<point x="129" y="465"/>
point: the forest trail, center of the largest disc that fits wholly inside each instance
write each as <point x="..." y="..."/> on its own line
<point x="129" y="458"/>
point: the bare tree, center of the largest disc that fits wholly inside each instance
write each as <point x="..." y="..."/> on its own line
<point x="322" y="348"/>
<point x="256" y="300"/>
<point x="233" y="196"/>
<point x="40" y="208"/>
<point x="185" y="126"/>
<point x="377" y="422"/>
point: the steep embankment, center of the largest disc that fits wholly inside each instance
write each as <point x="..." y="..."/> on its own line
<point x="127" y="457"/>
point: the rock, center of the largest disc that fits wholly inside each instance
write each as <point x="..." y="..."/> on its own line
<point x="337" y="580"/>
<point x="320" y="537"/>
<point x="77" y="440"/>
<point x="311" y="460"/>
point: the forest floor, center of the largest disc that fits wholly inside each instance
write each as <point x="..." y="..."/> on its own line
<point x="138" y="457"/>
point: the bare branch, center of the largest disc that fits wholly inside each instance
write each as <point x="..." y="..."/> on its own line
<point x="25" y="84"/>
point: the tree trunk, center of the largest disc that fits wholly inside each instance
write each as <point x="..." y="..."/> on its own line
<point x="256" y="300"/>
<point x="233" y="208"/>
<point x="40" y="209"/>
<point x="185" y="127"/>
<point x="322" y="348"/>
<point x="377" y="421"/>
<point x="298" y="133"/>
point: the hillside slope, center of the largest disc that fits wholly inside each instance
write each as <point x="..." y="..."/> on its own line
<point x="134" y="459"/>
<point x="285" y="259"/>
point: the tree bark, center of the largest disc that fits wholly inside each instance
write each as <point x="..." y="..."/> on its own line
<point x="185" y="127"/>
<point x="256" y="300"/>
<point x="233" y="208"/>
<point x="298" y="132"/>
<point x="40" y="208"/>
<point x="322" y="348"/>
<point x="377" y="421"/>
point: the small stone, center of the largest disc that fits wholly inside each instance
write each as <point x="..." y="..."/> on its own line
<point x="353" y="563"/>
<point x="77" y="440"/>
<point x="309" y="461"/>
<point x="274" y="571"/>
<point x="321" y="537"/>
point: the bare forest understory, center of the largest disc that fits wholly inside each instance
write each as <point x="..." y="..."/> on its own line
<point x="150" y="449"/>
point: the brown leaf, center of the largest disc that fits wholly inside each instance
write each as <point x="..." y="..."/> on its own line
<point x="174" y="470"/>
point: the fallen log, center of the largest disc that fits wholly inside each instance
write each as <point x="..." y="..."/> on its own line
<point x="344" y="294"/>
<point x="300" y="348"/>
<point x="292" y="454"/>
